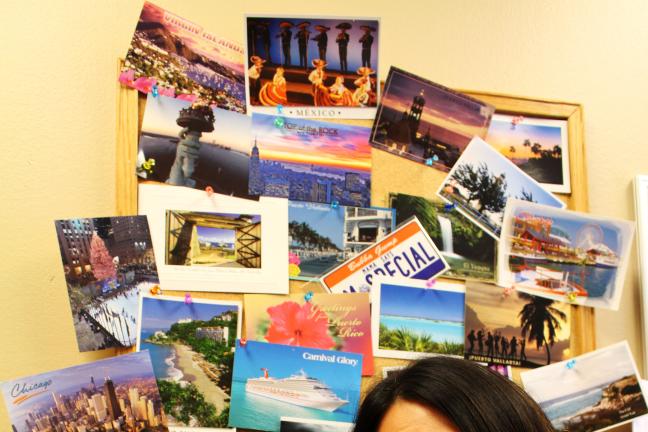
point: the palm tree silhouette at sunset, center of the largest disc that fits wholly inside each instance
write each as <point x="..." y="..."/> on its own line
<point x="540" y="321"/>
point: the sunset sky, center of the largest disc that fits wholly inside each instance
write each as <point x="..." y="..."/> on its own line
<point x="547" y="133"/>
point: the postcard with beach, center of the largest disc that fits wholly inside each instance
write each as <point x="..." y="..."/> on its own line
<point x="482" y="181"/>
<point x="313" y="66"/>
<point x="514" y="328"/>
<point x="107" y="261"/>
<point x="538" y="146"/>
<point x="194" y="145"/>
<point x="410" y="319"/>
<point x="119" y="391"/>
<point x="322" y="236"/>
<point x="338" y="322"/>
<point x="292" y="424"/>
<point x="468" y="250"/>
<point x="426" y="122"/>
<point x="192" y="350"/>
<point x="564" y="255"/>
<point x="598" y="391"/>
<point x="178" y="58"/>
<point x="273" y="381"/>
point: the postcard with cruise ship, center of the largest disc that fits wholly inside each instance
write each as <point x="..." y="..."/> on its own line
<point x="309" y="160"/>
<point x="273" y="381"/>
<point x="338" y="322"/>
<point x="292" y="424"/>
<point x="322" y="236"/>
<point x="407" y="252"/>
<point x="564" y="255"/>
<point x="120" y="391"/>
<point x="598" y="391"/>
<point x="192" y="351"/>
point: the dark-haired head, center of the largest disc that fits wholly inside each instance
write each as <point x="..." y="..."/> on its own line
<point x="444" y="393"/>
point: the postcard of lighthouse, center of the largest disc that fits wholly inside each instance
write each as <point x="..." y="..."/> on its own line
<point x="272" y="381"/>
<point x="118" y="393"/>
<point x="564" y="255"/>
<point x="313" y="67"/>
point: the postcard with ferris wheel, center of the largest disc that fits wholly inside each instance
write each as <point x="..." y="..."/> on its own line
<point x="564" y="255"/>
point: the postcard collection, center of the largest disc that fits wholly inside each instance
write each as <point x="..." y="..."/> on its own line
<point x="248" y="188"/>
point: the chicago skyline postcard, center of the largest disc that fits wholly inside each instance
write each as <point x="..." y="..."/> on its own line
<point x="308" y="160"/>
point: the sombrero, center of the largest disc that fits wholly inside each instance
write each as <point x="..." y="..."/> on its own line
<point x="322" y="28"/>
<point x="343" y="26"/>
<point x="256" y="59"/>
<point x="367" y="28"/>
<point x="304" y="24"/>
<point x="365" y="71"/>
<point x="285" y="24"/>
<point x="319" y="62"/>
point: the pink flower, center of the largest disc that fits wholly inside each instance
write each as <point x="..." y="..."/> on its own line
<point x="293" y="258"/>
<point x="292" y="324"/>
<point x="166" y="91"/>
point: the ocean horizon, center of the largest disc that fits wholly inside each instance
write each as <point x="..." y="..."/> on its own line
<point x="438" y="330"/>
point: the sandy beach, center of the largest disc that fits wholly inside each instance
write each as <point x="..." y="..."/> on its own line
<point x="194" y="374"/>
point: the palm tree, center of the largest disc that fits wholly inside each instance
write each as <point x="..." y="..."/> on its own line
<point x="540" y="321"/>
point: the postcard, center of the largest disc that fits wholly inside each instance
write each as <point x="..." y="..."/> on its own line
<point x="410" y="319"/>
<point x="469" y="251"/>
<point x="408" y="252"/>
<point x="292" y="424"/>
<point x="504" y="370"/>
<point x="390" y="370"/>
<point x="482" y="181"/>
<point x="598" y="390"/>
<point x="322" y="236"/>
<point x="273" y="381"/>
<point x="426" y="122"/>
<point x="339" y="322"/>
<point x="515" y="328"/>
<point x="193" y="145"/>
<point x="290" y="65"/>
<point x="119" y="391"/>
<point x="181" y="59"/>
<point x="564" y="255"/>
<point x="538" y="146"/>
<point x="107" y="261"/>
<point x="309" y="160"/>
<point x="217" y="242"/>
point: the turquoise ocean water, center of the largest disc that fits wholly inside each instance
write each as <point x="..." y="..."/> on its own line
<point x="161" y="357"/>
<point x="560" y="411"/>
<point x="439" y="331"/>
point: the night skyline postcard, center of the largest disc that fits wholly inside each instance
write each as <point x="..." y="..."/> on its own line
<point x="308" y="160"/>
<point x="120" y="391"/>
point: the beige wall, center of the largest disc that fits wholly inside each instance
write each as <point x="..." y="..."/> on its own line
<point x="58" y="73"/>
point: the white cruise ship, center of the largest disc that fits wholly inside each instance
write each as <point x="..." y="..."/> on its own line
<point x="298" y="389"/>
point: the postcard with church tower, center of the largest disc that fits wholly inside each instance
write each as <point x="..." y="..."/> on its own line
<point x="427" y="122"/>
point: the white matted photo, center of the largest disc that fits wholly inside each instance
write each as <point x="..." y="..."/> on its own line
<point x="218" y="242"/>
<point x="295" y="424"/>
<point x="641" y="216"/>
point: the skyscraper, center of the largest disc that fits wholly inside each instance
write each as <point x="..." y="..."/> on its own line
<point x="111" y="399"/>
<point x="99" y="407"/>
<point x="256" y="185"/>
<point x="60" y="403"/>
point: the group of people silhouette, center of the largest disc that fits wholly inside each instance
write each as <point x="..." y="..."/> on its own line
<point x="494" y="344"/>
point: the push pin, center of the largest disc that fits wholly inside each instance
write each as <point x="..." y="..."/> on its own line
<point x="293" y="270"/>
<point x="280" y="109"/>
<point x="335" y="204"/>
<point x="210" y="191"/>
<point x="156" y="290"/>
<point x="449" y="207"/>
<point x="293" y="258"/>
<point x="430" y="283"/>
<point x="308" y="296"/>
<point x="154" y="90"/>
<point x="570" y="364"/>
<point x="242" y="342"/>
<point x="508" y="291"/>
<point x="279" y="122"/>
<point x="188" y="300"/>
<point x="571" y="297"/>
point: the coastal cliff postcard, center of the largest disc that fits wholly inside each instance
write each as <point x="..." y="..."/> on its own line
<point x="192" y="351"/>
<point x="309" y="160"/>
<point x="482" y="181"/>
<point x="273" y="381"/>
<point x="194" y="145"/>
<point x="469" y="251"/>
<point x="107" y="261"/>
<point x="178" y="58"/>
<point x="292" y="424"/>
<point x="322" y="236"/>
<point x="407" y="252"/>
<point x="411" y="320"/>
<point x="598" y="391"/>
<point x="564" y="255"/>
<point x="515" y="328"/>
<point x="118" y="393"/>
<point x="313" y="66"/>
<point x="338" y="322"/>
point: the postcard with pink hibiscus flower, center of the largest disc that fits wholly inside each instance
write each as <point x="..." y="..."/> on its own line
<point x="326" y="321"/>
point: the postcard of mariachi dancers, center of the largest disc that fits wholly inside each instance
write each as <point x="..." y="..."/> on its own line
<point x="313" y="66"/>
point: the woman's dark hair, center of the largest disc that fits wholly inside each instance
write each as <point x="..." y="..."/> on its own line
<point x="473" y="397"/>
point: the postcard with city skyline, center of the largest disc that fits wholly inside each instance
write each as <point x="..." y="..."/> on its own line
<point x="119" y="393"/>
<point x="292" y="424"/>
<point x="515" y="328"/>
<point x="273" y="381"/>
<point x="538" y="146"/>
<point x="411" y="320"/>
<point x="598" y="391"/>
<point x="482" y="181"/>
<point x="192" y="351"/>
<point x="338" y="322"/>
<point x="468" y="250"/>
<point x="192" y="145"/>
<point x="564" y="255"/>
<point x="322" y="236"/>
<point x="107" y="262"/>
<point x="426" y="122"/>
<point x="313" y="66"/>
<point x="309" y="160"/>
<point x="181" y="59"/>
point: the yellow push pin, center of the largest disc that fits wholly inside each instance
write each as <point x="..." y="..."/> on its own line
<point x="293" y="270"/>
<point x="571" y="297"/>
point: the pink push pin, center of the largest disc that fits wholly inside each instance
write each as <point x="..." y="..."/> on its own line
<point x="507" y="291"/>
<point x="430" y="283"/>
<point x="243" y="342"/>
<point x="210" y="191"/>
<point x="188" y="300"/>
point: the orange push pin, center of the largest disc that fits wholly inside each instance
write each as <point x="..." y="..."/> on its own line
<point x="156" y="290"/>
<point x="210" y="191"/>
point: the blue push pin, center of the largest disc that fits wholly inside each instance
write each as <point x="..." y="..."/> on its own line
<point x="308" y="296"/>
<point x="154" y="90"/>
<point x="570" y="364"/>
<point x="430" y="161"/>
<point x="335" y="204"/>
<point x="280" y="109"/>
<point x="449" y="207"/>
